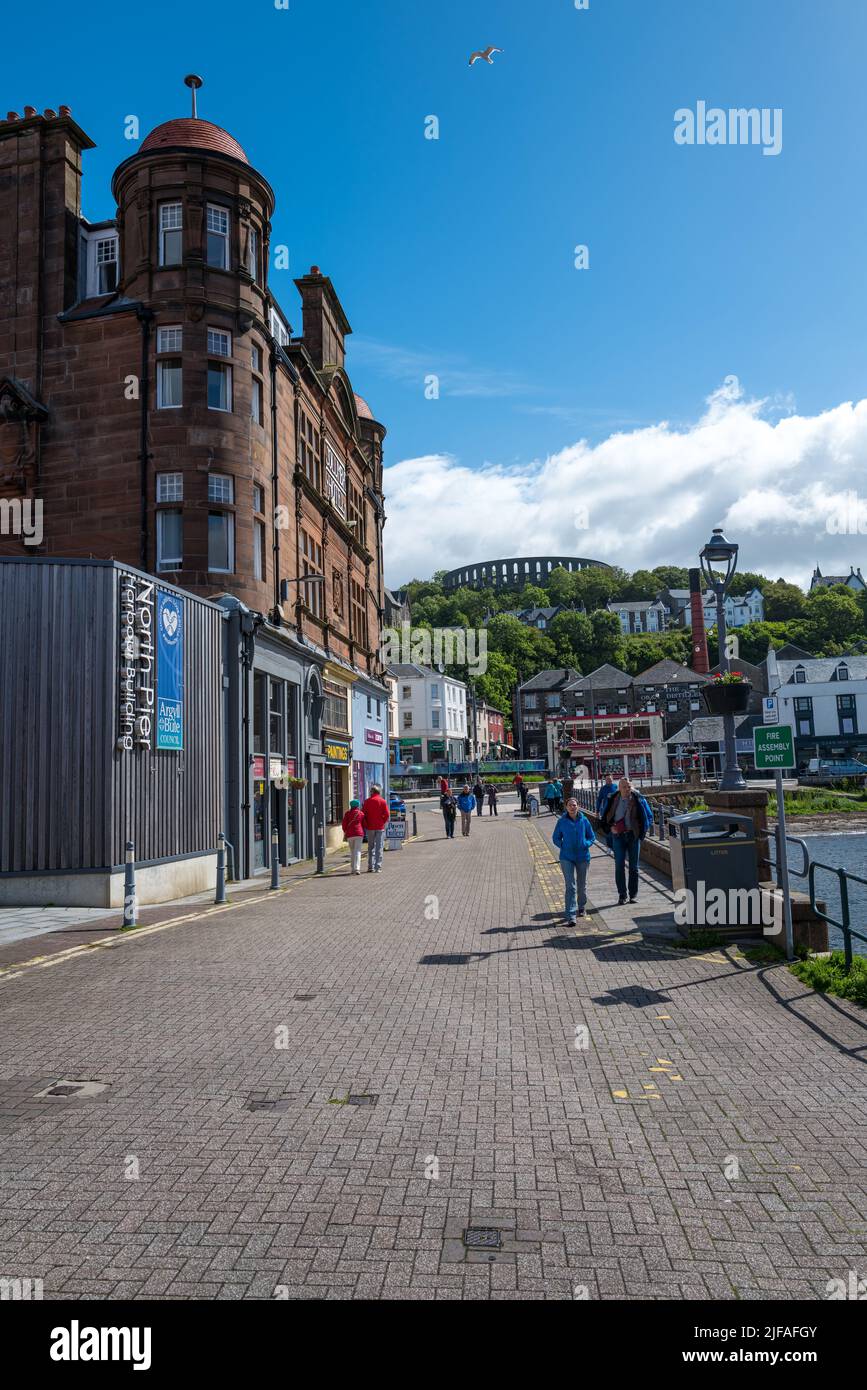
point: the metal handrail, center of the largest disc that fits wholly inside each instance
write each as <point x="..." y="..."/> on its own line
<point x="845" y="926"/>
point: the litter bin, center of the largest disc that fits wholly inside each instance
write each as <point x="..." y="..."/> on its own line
<point x="532" y="805"/>
<point x="714" y="849"/>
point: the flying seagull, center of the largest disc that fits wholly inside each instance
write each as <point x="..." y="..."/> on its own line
<point x="485" y="53"/>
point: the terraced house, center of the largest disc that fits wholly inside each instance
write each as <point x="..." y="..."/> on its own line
<point x="156" y="399"/>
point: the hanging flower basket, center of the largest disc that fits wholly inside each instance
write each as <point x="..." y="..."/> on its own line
<point x="728" y="694"/>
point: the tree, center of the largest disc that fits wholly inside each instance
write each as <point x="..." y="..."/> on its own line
<point x="646" y="649"/>
<point x="782" y="601"/>
<point x="833" y="616"/>
<point x="607" y="643"/>
<point x="595" y="586"/>
<point x="670" y="577"/>
<point x="572" y="635"/>
<point x="526" y="648"/>
<point x="498" y="682"/>
<point x="561" y="586"/>
<point x="746" y="580"/>
<point x="642" y="584"/>
<point x="531" y="596"/>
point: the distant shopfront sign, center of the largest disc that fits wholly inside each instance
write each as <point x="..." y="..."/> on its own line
<point x="373" y="736"/>
<point x="338" y="753"/>
<point x="170" y="671"/>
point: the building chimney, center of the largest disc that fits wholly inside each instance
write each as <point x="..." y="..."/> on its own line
<point x="324" y="325"/>
<point x="700" y="661"/>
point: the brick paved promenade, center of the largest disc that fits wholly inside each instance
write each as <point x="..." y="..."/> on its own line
<point x="604" y="1167"/>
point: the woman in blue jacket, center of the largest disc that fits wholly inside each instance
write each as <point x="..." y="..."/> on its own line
<point x="573" y="836"/>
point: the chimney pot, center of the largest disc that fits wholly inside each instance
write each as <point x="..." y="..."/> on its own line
<point x="12" y="116"/>
<point x="314" y="270"/>
<point x="49" y="114"/>
<point x="29" y="111"/>
<point x="65" y="111"/>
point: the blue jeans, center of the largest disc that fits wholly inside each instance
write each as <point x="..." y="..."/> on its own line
<point x="375" y="841"/>
<point x="574" y="874"/>
<point x="627" y="848"/>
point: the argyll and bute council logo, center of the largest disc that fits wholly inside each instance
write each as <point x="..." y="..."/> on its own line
<point x="170" y="619"/>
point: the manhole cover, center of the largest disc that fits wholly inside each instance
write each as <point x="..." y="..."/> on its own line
<point x="82" y="1090"/>
<point x="361" y="1099"/>
<point x="262" y="1103"/>
<point x="482" y="1238"/>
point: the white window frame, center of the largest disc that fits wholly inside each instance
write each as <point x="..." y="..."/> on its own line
<point x="170" y="225"/>
<point x="217" y="214"/>
<point x="255" y="358"/>
<point x="279" y="331"/>
<point x="216" y="493"/>
<point x="166" y="342"/>
<point x="220" y="343"/>
<point x="253" y="254"/>
<point x="163" y="364"/>
<point x="257" y="398"/>
<point x="259" y="496"/>
<point x="170" y="487"/>
<point x="172" y="562"/>
<point x="94" y="241"/>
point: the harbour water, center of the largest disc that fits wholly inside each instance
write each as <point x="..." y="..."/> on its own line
<point x="845" y="851"/>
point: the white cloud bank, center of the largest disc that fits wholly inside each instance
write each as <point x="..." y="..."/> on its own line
<point x="649" y="497"/>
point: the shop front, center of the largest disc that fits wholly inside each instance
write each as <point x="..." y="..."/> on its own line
<point x="369" y="738"/>
<point x="338" y="760"/>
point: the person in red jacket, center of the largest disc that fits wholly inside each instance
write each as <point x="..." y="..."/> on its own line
<point x="353" y="831"/>
<point x="445" y="790"/>
<point x="376" y="818"/>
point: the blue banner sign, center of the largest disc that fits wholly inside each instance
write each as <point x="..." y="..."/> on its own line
<point x="170" y="671"/>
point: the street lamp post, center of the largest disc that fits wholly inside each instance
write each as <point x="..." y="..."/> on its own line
<point x="719" y="551"/>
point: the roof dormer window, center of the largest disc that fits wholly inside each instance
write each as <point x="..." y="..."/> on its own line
<point x="800" y="675"/>
<point x="105" y="254"/>
<point x="842" y="672"/>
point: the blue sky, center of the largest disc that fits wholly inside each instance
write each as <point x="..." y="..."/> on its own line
<point x="455" y="256"/>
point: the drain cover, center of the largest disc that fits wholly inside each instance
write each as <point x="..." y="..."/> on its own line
<point x="82" y="1090"/>
<point x="361" y="1099"/>
<point x="482" y="1238"/>
<point x="260" y="1102"/>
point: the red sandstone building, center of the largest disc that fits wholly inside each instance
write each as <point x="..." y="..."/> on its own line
<point x="154" y="398"/>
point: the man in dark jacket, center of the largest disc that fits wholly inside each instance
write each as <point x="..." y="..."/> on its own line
<point x="623" y="819"/>
<point x="479" y="794"/>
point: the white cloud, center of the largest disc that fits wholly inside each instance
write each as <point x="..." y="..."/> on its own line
<point x="652" y="495"/>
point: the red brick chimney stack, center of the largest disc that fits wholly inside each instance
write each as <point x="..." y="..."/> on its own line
<point x="700" y="661"/>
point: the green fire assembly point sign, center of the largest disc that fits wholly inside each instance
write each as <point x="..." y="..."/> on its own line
<point x="774" y="746"/>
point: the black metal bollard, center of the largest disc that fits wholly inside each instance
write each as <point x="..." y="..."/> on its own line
<point x="220" y="896"/>
<point x="129" y="901"/>
<point x="414" y="822"/>
<point x="320" y="849"/>
<point x="275" y="858"/>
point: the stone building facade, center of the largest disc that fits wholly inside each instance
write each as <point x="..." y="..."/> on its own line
<point x="157" y="405"/>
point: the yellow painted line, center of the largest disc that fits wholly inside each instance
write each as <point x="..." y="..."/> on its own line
<point x="674" y="1076"/>
<point x="621" y="1095"/>
<point x="663" y="1061"/>
<point x="663" y="1015"/>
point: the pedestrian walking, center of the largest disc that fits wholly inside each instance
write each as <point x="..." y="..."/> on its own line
<point x="551" y="797"/>
<point x="353" y="832"/>
<point x="573" y="836"/>
<point x="603" y="796"/>
<point x="449" y="808"/>
<point x="518" y="783"/>
<point x="444" y="786"/>
<point x="626" y="817"/>
<point x="479" y="794"/>
<point x="492" y="800"/>
<point x="466" y="806"/>
<point x="376" y="818"/>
